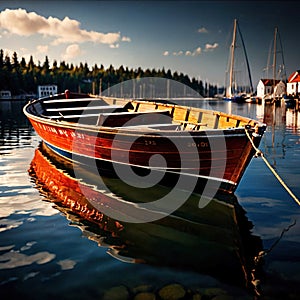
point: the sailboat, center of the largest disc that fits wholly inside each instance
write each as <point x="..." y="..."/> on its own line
<point x="234" y="90"/>
<point x="277" y="82"/>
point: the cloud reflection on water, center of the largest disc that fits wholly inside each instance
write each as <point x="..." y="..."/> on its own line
<point x="14" y="259"/>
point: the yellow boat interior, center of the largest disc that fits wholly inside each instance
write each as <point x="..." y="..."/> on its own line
<point x="151" y="115"/>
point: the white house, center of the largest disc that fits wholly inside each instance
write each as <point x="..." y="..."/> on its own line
<point x="293" y="84"/>
<point x="270" y="87"/>
<point x="47" y="90"/>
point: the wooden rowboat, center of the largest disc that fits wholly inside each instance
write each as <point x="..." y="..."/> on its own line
<point x="131" y="137"/>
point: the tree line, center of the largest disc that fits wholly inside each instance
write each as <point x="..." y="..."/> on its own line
<point x="21" y="77"/>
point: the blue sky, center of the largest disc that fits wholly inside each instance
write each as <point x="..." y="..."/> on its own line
<point x="192" y="37"/>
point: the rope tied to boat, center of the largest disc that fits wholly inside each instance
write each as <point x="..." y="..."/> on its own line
<point x="259" y="153"/>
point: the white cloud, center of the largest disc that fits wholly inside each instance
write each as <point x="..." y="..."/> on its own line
<point x="114" y="46"/>
<point x="42" y="49"/>
<point x="23" y="23"/>
<point x="211" y="47"/>
<point x="197" y="51"/>
<point x="126" y="39"/>
<point x="202" y="30"/>
<point x="179" y="53"/>
<point x="71" y="52"/>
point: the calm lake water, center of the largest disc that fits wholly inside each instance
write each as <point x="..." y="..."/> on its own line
<point x="50" y="250"/>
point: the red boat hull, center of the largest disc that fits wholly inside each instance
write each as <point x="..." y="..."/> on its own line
<point x="70" y="141"/>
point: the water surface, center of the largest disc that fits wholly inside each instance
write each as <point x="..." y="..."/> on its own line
<point x="49" y="251"/>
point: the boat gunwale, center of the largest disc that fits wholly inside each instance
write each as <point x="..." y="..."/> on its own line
<point x="205" y="133"/>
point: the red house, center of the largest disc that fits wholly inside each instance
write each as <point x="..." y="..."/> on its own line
<point x="293" y="84"/>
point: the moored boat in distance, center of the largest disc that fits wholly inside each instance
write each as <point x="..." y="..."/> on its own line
<point x="236" y="91"/>
<point x="272" y="89"/>
<point x="190" y="147"/>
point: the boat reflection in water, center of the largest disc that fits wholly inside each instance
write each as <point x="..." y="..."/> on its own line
<point x="214" y="240"/>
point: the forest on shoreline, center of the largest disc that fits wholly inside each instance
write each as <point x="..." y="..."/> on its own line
<point x="21" y="77"/>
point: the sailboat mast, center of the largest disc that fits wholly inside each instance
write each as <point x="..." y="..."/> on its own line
<point x="233" y="45"/>
<point x="246" y="57"/>
<point x="274" y="56"/>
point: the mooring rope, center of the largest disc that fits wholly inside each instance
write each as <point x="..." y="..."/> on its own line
<point x="259" y="153"/>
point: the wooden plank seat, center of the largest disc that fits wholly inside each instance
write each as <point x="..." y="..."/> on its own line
<point x="67" y="113"/>
<point x="135" y="118"/>
<point x="193" y="125"/>
<point x="62" y="103"/>
<point x="50" y="101"/>
<point x="61" y="116"/>
<point x="165" y="126"/>
<point x="82" y="111"/>
<point x="70" y="109"/>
